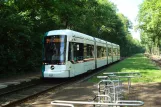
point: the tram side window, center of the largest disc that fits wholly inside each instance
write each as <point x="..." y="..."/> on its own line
<point x="109" y="51"/>
<point x="99" y="51"/>
<point x="75" y="52"/>
<point x="104" y="52"/>
<point x="118" y="52"/>
<point x="88" y="51"/>
<point x="78" y="51"/>
<point x="85" y="51"/>
<point x="114" y="51"/>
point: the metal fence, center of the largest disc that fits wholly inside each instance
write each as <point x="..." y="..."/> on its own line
<point x="110" y="92"/>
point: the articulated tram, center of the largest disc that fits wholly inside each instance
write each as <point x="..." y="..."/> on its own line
<point x="68" y="53"/>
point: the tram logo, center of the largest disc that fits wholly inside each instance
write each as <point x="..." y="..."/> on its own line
<point x="52" y="67"/>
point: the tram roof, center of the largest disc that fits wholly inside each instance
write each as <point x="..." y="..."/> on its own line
<point x="69" y="33"/>
<point x="58" y="32"/>
<point x="115" y="45"/>
<point x="76" y="34"/>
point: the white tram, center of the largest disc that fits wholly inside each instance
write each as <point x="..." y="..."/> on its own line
<point x="69" y="53"/>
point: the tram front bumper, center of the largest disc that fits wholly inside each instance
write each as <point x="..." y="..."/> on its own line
<point x="57" y="74"/>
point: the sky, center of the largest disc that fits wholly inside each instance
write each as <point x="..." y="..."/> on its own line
<point x="130" y="9"/>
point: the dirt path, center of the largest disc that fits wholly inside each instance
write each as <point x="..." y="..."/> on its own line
<point x="149" y="93"/>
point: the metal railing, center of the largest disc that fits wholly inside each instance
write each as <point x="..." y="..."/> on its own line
<point x="110" y="92"/>
<point x="119" y="103"/>
<point x="127" y="75"/>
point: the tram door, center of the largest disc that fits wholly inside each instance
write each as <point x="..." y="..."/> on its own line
<point x="71" y="59"/>
<point x="76" y="58"/>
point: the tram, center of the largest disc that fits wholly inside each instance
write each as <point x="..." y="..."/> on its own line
<point x="67" y="53"/>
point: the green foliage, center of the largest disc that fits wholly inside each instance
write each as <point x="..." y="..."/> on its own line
<point x="150" y="24"/>
<point x="20" y="45"/>
<point x="23" y="24"/>
<point x="137" y="63"/>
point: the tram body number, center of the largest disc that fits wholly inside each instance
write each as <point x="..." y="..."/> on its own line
<point x="50" y="75"/>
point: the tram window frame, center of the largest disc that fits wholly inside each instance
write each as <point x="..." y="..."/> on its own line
<point x="88" y="52"/>
<point x="83" y="54"/>
<point x="101" y="52"/>
<point x="75" y="55"/>
<point x="55" y="49"/>
<point x="69" y="52"/>
<point x="78" y="51"/>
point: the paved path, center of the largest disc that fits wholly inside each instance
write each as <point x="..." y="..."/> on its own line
<point x="16" y="80"/>
<point x="149" y="93"/>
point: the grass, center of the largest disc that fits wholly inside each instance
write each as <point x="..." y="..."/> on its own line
<point x="137" y="63"/>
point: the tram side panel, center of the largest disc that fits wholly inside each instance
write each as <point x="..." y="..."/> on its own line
<point x="118" y="52"/>
<point x="89" y="56"/>
<point x="101" y="55"/>
<point x="81" y="56"/>
<point x="115" y="54"/>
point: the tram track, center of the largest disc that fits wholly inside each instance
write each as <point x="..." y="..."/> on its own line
<point x="22" y="95"/>
<point x="19" y="95"/>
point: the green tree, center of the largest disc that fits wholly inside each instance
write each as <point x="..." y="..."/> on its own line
<point x="150" y="23"/>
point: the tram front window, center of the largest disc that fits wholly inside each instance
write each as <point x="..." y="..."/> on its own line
<point x="54" y="49"/>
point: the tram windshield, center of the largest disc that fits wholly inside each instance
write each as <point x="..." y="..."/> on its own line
<point x="54" y="49"/>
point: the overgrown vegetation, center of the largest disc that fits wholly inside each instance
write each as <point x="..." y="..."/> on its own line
<point x="137" y="63"/>
<point x="23" y="23"/>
